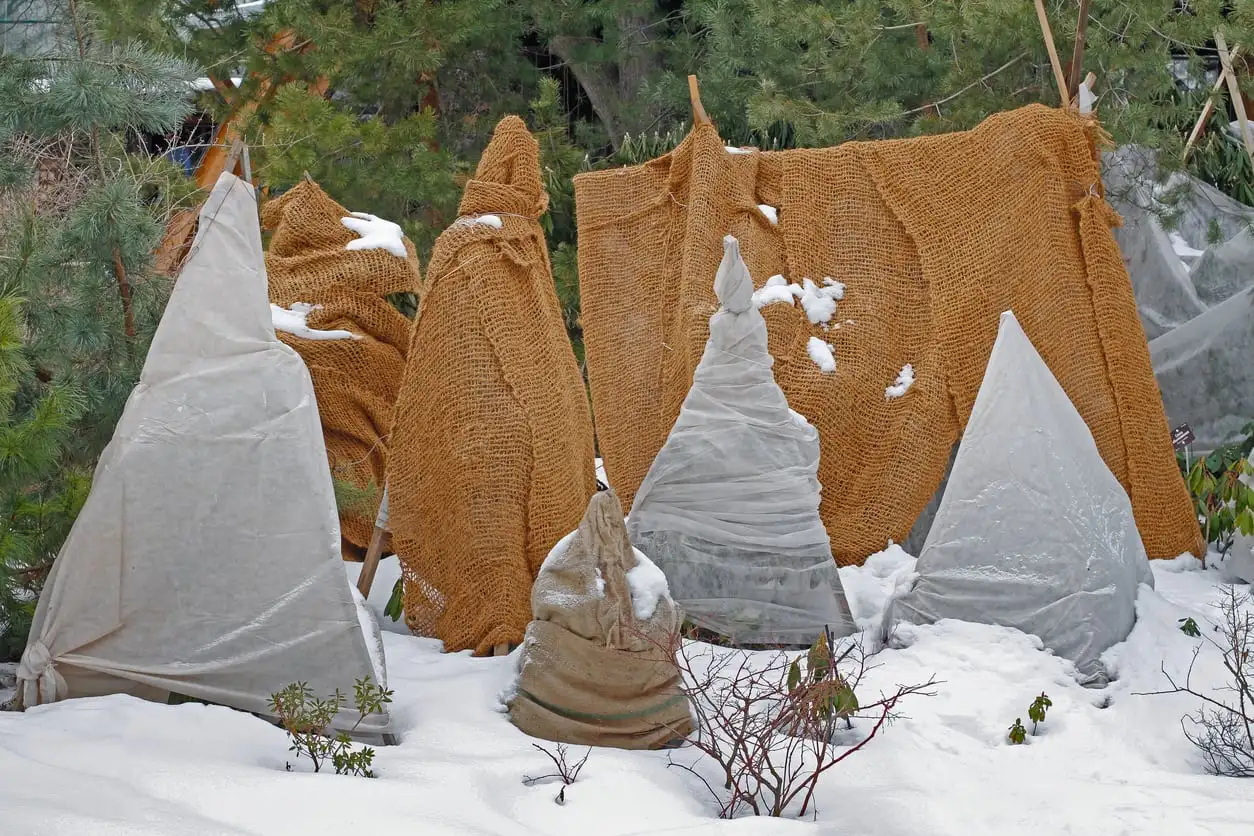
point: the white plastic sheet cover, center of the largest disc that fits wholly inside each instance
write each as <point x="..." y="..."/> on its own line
<point x="206" y="560"/>
<point x="1165" y="295"/>
<point x="1034" y="531"/>
<point x="1206" y="372"/>
<point x="730" y="507"/>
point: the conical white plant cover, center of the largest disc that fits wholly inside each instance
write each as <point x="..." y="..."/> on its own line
<point x="206" y="560"/>
<point x="730" y="507"/>
<point x="1034" y="531"/>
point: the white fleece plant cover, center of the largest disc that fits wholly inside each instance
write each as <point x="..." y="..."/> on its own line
<point x="1034" y="532"/>
<point x="730" y="506"/>
<point x="206" y="560"/>
<point x="1205" y="369"/>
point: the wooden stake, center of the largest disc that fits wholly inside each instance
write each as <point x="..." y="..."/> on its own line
<point x="1077" y="49"/>
<point x="375" y="550"/>
<point x="1209" y="108"/>
<point x="1234" y="90"/>
<point x="501" y="649"/>
<point x="699" y="116"/>
<point x="1059" y="77"/>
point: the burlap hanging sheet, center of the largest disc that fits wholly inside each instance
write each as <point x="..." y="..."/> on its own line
<point x="492" y="453"/>
<point x="356" y="381"/>
<point x="934" y="238"/>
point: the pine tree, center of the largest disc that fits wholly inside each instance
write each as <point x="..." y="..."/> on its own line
<point x="79" y="217"/>
<point x="415" y="86"/>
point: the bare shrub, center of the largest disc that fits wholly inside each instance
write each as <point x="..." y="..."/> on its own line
<point x="567" y="772"/>
<point x="775" y="722"/>
<point x="1222" y="728"/>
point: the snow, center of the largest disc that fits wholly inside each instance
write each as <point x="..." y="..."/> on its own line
<point x="731" y="149"/>
<point x="600" y="466"/>
<point x="493" y="221"/>
<point x="375" y="234"/>
<point x="558" y="550"/>
<point x="295" y="322"/>
<point x="118" y="765"/>
<point x="771" y="213"/>
<point x="1182" y="247"/>
<point x="776" y="290"/>
<point x="905" y="379"/>
<point x="820" y="302"/>
<point x="648" y="586"/>
<point x="821" y="353"/>
<point x="369" y="624"/>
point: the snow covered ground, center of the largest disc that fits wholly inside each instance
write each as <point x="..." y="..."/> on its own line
<point x="1105" y="762"/>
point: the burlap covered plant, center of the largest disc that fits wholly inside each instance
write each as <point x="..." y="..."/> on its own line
<point x="492" y="454"/>
<point x="597" y="667"/>
<point x="356" y="378"/>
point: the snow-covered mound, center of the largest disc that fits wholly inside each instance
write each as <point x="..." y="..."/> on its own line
<point x="1105" y="762"/>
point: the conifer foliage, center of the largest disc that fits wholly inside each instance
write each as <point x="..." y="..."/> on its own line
<point x="79" y="219"/>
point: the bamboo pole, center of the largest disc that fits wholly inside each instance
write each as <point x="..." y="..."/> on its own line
<point x="1234" y="90"/>
<point x="1209" y="108"/>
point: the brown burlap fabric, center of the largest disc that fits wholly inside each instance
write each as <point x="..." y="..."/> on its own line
<point x="934" y="239"/>
<point x="592" y="672"/>
<point x="492" y="454"/>
<point x="355" y="380"/>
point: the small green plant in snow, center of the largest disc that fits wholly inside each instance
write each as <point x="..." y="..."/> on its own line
<point x="307" y="720"/>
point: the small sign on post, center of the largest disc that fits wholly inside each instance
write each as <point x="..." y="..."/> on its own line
<point x="1182" y="436"/>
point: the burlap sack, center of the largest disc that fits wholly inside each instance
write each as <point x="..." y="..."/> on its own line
<point x="933" y="238"/>
<point x="356" y="381"/>
<point x="596" y="668"/>
<point x="492" y="455"/>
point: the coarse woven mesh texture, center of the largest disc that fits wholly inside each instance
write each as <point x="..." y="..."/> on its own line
<point x="934" y="238"/>
<point x="355" y="381"/>
<point x="492" y="452"/>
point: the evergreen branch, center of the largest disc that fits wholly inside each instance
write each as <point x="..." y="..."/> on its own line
<point x="936" y="105"/>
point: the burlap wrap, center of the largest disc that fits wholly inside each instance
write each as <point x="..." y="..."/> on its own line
<point x="355" y="380"/>
<point x="492" y="453"/>
<point x="591" y="672"/>
<point x="934" y="238"/>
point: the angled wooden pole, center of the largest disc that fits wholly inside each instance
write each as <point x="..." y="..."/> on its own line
<point x="1059" y="77"/>
<point x="1200" y="125"/>
<point x="375" y="550"/>
<point x="1234" y="90"/>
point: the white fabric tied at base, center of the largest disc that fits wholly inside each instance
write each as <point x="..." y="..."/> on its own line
<point x="38" y="680"/>
<point x="206" y="561"/>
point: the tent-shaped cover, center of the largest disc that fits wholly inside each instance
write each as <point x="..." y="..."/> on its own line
<point x="206" y="560"/>
<point x="730" y="507"/>
<point x="1034" y="531"/>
